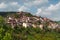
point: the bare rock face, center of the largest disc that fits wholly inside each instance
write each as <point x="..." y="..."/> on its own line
<point x="27" y="19"/>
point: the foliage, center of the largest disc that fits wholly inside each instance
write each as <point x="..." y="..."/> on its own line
<point x="57" y="22"/>
<point x="28" y="14"/>
<point x="29" y="33"/>
<point x="1" y="19"/>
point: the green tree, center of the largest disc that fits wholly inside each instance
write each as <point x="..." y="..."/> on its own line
<point x="7" y="36"/>
<point x="1" y="19"/>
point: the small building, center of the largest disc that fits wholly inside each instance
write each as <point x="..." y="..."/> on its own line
<point x="25" y="25"/>
<point x="52" y="25"/>
<point x="34" y="25"/>
<point x="41" y="26"/>
<point x="11" y="21"/>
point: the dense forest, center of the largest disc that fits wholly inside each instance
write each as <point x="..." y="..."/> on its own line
<point x="29" y="33"/>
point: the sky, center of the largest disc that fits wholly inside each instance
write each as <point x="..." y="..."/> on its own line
<point x="44" y="8"/>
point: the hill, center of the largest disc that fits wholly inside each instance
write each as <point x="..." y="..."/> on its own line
<point x="26" y="19"/>
<point x="25" y="26"/>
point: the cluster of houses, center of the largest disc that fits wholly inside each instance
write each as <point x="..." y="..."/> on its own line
<point x="33" y="21"/>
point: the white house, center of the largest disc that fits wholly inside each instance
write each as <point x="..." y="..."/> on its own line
<point x="41" y="26"/>
<point x="25" y="25"/>
<point x="34" y="25"/>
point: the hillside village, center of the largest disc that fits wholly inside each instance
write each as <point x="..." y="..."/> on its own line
<point x="26" y="19"/>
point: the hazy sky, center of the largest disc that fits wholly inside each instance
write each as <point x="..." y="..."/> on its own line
<point x="45" y="8"/>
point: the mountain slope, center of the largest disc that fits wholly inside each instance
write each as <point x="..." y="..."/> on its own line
<point x="26" y="19"/>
